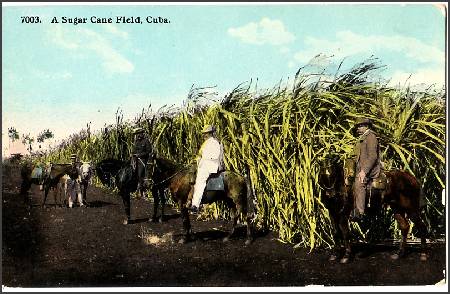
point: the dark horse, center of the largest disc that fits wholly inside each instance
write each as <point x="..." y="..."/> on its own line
<point x="114" y="172"/>
<point x="402" y="193"/>
<point x="49" y="177"/>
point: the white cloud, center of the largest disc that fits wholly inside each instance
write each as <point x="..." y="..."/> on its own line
<point x="87" y="40"/>
<point x="59" y="38"/>
<point x="427" y="76"/>
<point x="348" y="43"/>
<point x="115" y="31"/>
<point x="267" y="31"/>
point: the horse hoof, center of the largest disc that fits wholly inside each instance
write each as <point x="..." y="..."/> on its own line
<point x="344" y="260"/>
<point x="423" y="257"/>
<point x="363" y="254"/>
<point x="332" y="257"/>
<point x="248" y="242"/>
<point x="126" y="222"/>
<point x="395" y="256"/>
<point x="226" y="239"/>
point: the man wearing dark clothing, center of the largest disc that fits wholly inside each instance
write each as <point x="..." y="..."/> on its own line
<point x="73" y="183"/>
<point x="142" y="152"/>
<point x="367" y="158"/>
<point x="73" y="174"/>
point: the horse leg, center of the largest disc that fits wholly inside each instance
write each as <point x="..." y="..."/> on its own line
<point x="345" y="230"/>
<point x="404" y="227"/>
<point x="249" y="230"/>
<point x="84" y="192"/>
<point x="163" y="203"/>
<point x="186" y="224"/>
<point x="422" y="233"/>
<point x="337" y="237"/>
<point x="55" y="196"/>
<point x="234" y="217"/>
<point x="126" y="202"/>
<point x="24" y="187"/>
<point x="46" y="190"/>
<point x="155" y="193"/>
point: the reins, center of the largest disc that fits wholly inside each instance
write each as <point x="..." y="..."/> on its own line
<point x="165" y="180"/>
<point x="329" y="188"/>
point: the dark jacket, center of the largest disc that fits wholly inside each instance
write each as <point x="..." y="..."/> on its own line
<point x="367" y="155"/>
<point x="142" y="148"/>
<point x="73" y="171"/>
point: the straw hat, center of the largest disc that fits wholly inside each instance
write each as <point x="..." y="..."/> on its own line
<point x="363" y="121"/>
<point x="138" y="130"/>
<point x="208" y="129"/>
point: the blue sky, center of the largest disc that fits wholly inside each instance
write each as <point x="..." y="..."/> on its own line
<point x="61" y="76"/>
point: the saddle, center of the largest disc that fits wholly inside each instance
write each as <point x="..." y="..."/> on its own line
<point x="37" y="173"/>
<point x="215" y="182"/>
<point x="380" y="182"/>
<point x="377" y="186"/>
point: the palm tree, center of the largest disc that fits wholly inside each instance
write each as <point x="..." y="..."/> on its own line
<point x="27" y="139"/>
<point x="44" y="135"/>
<point x="13" y="135"/>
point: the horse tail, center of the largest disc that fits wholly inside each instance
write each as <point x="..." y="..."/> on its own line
<point x="251" y="199"/>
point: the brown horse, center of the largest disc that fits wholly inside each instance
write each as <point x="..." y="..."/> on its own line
<point x="237" y="194"/>
<point x="402" y="193"/>
<point x="49" y="177"/>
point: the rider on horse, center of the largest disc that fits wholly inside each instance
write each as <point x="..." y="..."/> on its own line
<point x="210" y="161"/>
<point x="142" y="153"/>
<point x="368" y="167"/>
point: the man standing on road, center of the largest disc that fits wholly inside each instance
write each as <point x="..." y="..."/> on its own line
<point x="73" y="183"/>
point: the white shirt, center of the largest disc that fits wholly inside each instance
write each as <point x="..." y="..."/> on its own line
<point x="211" y="156"/>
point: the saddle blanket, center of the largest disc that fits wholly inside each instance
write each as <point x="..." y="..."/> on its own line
<point x="36" y="173"/>
<point x="215" y="182"/>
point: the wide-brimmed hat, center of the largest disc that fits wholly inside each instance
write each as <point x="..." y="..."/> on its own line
<point x="363" y="121"/>
<point x="208" y="129"/>
<point x="138" y="130"/>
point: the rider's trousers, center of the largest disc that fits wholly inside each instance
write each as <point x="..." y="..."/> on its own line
<point x="199" y="187"/>
<point x="359" y="194"/>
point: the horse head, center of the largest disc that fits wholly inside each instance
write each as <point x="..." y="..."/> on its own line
<point x="331" y="179"/>
<point x="160" y="169"/>
<point x="85" y="171"/>
<point x="107" y="169"/>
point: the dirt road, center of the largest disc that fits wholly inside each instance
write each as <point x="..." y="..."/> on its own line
<point x="90" y="247"/>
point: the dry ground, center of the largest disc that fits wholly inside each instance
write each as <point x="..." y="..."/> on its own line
<point x="90" y="247"/>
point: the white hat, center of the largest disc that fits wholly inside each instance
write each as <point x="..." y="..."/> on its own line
<point x="208" y="129"/>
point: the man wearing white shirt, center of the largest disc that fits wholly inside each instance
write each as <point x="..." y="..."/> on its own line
<point x="209" y="162"/>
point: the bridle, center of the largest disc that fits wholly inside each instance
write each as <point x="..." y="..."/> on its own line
<point x="168" y="178"/>
<point x="112" y="176"/>
<point x="333" y="184"/>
